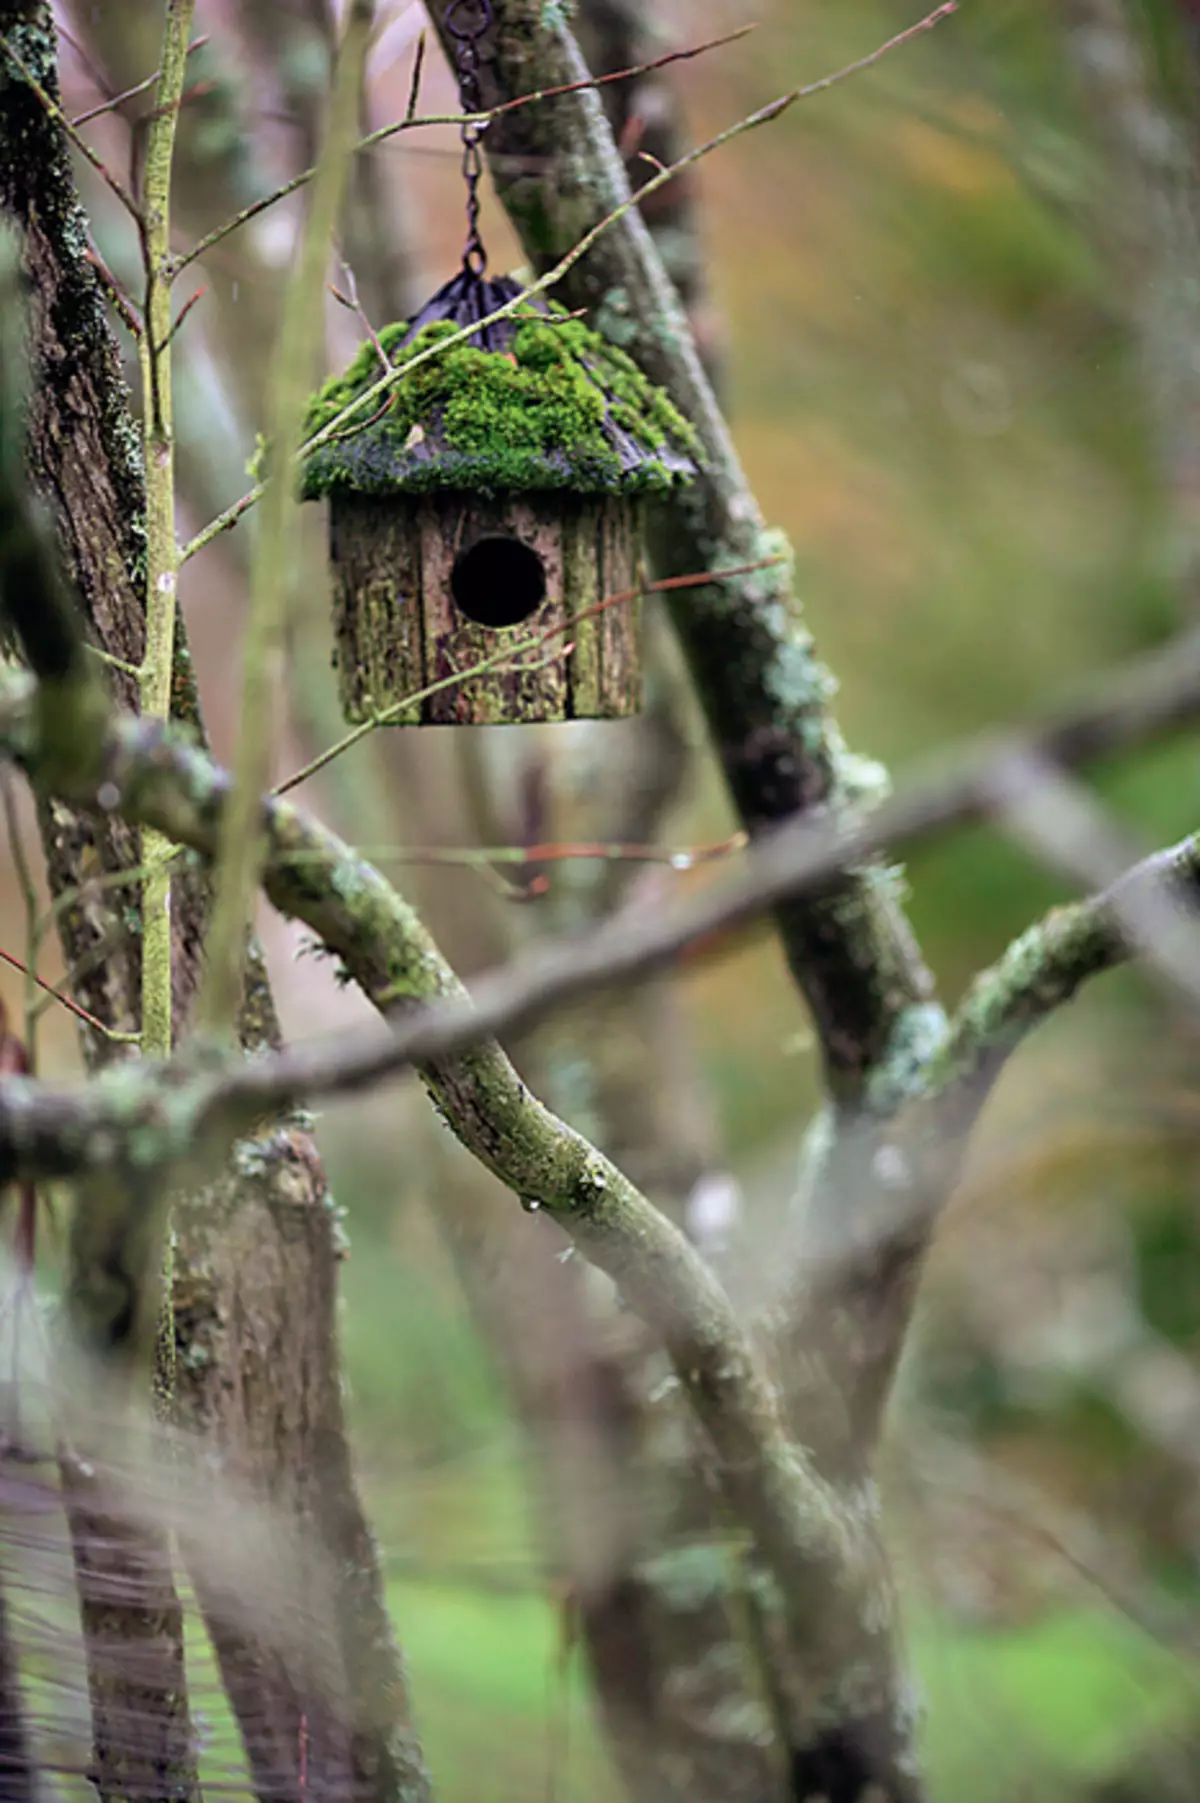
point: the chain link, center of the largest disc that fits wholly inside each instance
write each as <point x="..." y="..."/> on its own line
<point x="468" y="22"/>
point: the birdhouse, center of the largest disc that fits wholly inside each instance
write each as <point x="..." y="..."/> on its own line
<point x="485" y="515"/>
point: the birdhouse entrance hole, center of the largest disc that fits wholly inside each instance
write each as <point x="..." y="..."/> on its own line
<point x="498" y="581"/>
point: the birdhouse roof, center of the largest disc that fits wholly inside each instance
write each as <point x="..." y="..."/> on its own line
<point x="538" y="401"/>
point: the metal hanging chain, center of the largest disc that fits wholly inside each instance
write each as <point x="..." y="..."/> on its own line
<point x="468" y="22"/>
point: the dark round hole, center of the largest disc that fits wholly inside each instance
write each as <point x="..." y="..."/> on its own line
<point x="498" y="582"/>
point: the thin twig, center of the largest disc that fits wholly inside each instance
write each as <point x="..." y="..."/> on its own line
<point x="83" y="52"/>
<point x="377" y="390"/>
<point x="160" y="781"/>
<point x="139" y="87"/>
<point x="351" y="300"/>
<point x="414" y="86"/>
<point x="407" y="123"/>
<point x="108" y="106"/>
<point x="222" y="522"/>
<point x="71" y="1006"/>
<point x="678" y="858"/>
<point x="482" y="857"/>
<point x="773" y="110"/>
<point x="132" y="877"/>
<point x="114" y="663"/>
<point x="125" y="309"/>
<point x="183" y="313"/>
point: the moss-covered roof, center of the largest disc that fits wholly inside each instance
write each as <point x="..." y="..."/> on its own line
<point x="557" y="408"/>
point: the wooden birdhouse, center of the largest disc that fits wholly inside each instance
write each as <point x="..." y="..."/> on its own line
<point x="482" y="509"/>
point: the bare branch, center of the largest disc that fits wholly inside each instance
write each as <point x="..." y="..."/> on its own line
<point x="115" y="101"/>
<point x="152" y="778"/>
<point x="764" y="691"/>
<point x="801" y="1530"/>
<point x="1148" y="909"/>
<point x="808" y="1543"/>
<point x="262" y="683"/>
<point x="410" y="123"/>
<point x="57" y="995"/>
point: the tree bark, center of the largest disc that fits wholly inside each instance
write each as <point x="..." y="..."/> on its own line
<point x="764" y="692"/>
<point x="84" y="459"/>
<point x="766" y="697"/>
<point x="646" y="122"/>
<point x="1147" y="215"/>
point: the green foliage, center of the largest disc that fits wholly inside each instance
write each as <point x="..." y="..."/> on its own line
<point x="561" y="409"/>
<point x="1039" y="1708"/>
<point x="1045" y="1706"/>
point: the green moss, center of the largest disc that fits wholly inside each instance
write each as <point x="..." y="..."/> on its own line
<point x="558" y="409"/>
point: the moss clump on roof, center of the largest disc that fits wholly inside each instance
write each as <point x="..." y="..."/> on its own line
<point x="558" y="408"/>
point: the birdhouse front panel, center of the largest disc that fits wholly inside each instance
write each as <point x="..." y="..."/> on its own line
<point x="492" y="593"/>
<point x="491" y="600"/>
<point x="485" y="515"/>
<point x="509" y="581"/>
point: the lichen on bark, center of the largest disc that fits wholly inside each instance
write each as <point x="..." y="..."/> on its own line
<point x="84" y="460"/>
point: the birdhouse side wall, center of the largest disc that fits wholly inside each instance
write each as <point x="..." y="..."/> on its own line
<point x="378" y="651"/>
<point x="605" y="668"/>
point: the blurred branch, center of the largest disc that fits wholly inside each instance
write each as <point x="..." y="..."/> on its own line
<point x="24" y="873"/>
<point x="1065" y="824"/>
<point x="118" y="1615"/>
<point x="1147" y="218"/>
<point x="605" y="851"/>
<point x="137" y="771"/>
<point x="289" y="1433"/>
<point x="1149" y="910"/>
<point x="57" y="995"/>
<point x="262" y="662"/>
<point x="805" y="1541"/>
<point x="819" y="1550"/>
<point x="822" y="1557"/>
<point x="411" y="123"/>
<point x="357" y="915"/>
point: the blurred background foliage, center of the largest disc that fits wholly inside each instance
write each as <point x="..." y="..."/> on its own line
<point x="936" y="302"/>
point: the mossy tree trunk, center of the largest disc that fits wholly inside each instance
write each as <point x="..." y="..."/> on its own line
<point x="84" y="459"/>
<point x="766" y="698"/>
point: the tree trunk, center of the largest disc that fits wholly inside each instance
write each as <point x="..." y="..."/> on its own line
<point x="84" y="459"/>
<point x="1147" y="215"/>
